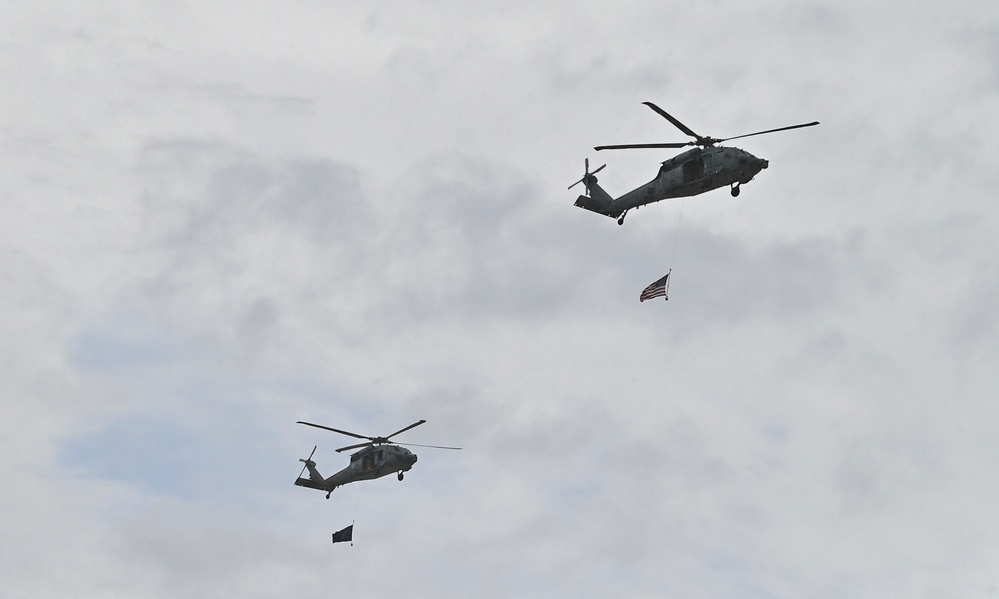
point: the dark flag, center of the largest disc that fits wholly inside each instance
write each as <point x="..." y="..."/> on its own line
<point x="342" y="536"/>
<point x="657" y="289"/>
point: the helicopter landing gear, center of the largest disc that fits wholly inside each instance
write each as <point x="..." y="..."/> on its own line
<point x="620" y="221"/>
<point x="328" y="494"/>
<point x="735" y="190"/>
<point x="400" y="476"/>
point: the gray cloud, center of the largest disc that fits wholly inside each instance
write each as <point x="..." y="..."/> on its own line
<point x="217" y="226"/>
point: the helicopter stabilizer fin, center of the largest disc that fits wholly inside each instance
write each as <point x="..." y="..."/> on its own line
<point x="315" y="479"/>
<point x="309" y="483"/>
<point x="592" y="204"/>
<point x="598" y="200"/>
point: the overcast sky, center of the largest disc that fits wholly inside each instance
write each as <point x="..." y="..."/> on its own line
<point x="221" y="218"/>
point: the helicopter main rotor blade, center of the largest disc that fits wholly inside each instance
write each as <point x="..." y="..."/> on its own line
<point x="812" y="124"/>
<point x="431" y="446"/>
<point x="414" y="425"/>
<point x="629" y="146"/>
<point x="670" y="118"/>
<point x="368" y="444"/>
<point x="335" y="430"/>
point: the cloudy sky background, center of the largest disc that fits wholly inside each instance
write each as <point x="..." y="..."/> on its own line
<point x="220" y="219"/>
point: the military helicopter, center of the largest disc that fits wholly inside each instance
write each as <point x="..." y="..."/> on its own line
<point x="378" y="457"/>
<point x="701" y="169"/>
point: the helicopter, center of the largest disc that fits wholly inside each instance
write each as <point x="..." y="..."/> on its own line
<point x="701" y="169"/>
<point x="378" y="457"/>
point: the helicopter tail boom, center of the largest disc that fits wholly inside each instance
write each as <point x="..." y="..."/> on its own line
<point x="598" y="201"/>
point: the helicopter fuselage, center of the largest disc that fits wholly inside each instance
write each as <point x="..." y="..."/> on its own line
<point x="694" y="172"/>
<point x="367" y="464"/>
<point x="687" y="174"/>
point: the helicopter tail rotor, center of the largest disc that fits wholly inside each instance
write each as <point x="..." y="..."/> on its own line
<point x="596" y="199"/>
<point x="588" y="178"/>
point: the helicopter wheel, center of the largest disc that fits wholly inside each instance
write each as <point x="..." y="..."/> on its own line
<point x="328" y="495"/>
<point x="400" y="476"/>
<point x="735" y="190"/>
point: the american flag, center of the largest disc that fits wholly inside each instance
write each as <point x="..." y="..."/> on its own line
<point x="657" y="289"/>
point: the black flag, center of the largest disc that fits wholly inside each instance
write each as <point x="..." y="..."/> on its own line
<point x="342" y="536"/>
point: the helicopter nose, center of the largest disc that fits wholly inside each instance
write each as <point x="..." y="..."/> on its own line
<point x="764" y="163"/>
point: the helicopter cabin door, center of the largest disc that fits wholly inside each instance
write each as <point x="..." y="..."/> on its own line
<point x="693" y="169"/>
<point x="368" y="462"/>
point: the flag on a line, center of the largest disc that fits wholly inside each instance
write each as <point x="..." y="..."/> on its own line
<point x="342" y="536"/>
<point x="657" y="289"/>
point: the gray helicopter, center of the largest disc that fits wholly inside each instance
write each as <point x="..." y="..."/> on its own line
<point x="701" y="169"/>
<point x="378" y="457"/>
